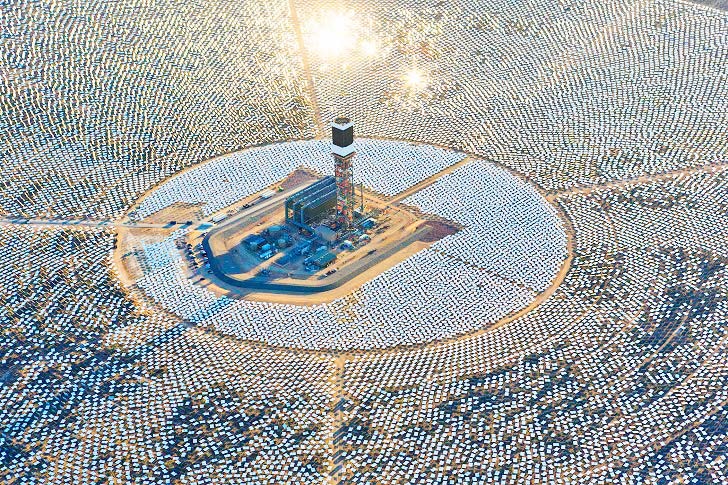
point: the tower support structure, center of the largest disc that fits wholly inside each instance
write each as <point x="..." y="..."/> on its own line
<point x="343" y="151"/>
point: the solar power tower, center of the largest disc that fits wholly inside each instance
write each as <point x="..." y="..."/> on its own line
<point x="342" y="148"/>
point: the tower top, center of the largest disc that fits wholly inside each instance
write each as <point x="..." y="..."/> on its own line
<point x="342" y="123"/>
<point x="342" y="137"/>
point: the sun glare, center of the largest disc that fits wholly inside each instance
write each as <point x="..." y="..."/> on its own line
<point x="335" y="35"/>
<point x="415" y="79"/>
<point x="369" y="48"/>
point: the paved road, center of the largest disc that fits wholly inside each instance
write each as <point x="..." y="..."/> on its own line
<point x="80" y="223"/>
<point x="429" y="180"/>
<point x="258" y="207"/>
<point x="143" y="225"/>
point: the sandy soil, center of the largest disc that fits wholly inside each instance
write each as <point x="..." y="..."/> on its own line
<point x="220" y="288"/>
<point x="125" y="259"/>
<point x="298" y="177"/>
<point x="178" y="211"/>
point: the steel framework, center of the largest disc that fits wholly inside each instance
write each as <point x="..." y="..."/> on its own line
<point x="342" y="149"/>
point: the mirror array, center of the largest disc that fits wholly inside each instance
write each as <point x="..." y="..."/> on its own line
<point x="615" y="108"/>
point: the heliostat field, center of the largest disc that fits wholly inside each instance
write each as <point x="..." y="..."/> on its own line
<point x="544" y="202"/>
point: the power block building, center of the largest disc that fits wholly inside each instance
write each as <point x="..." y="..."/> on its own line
<point x="312" y="203"/>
